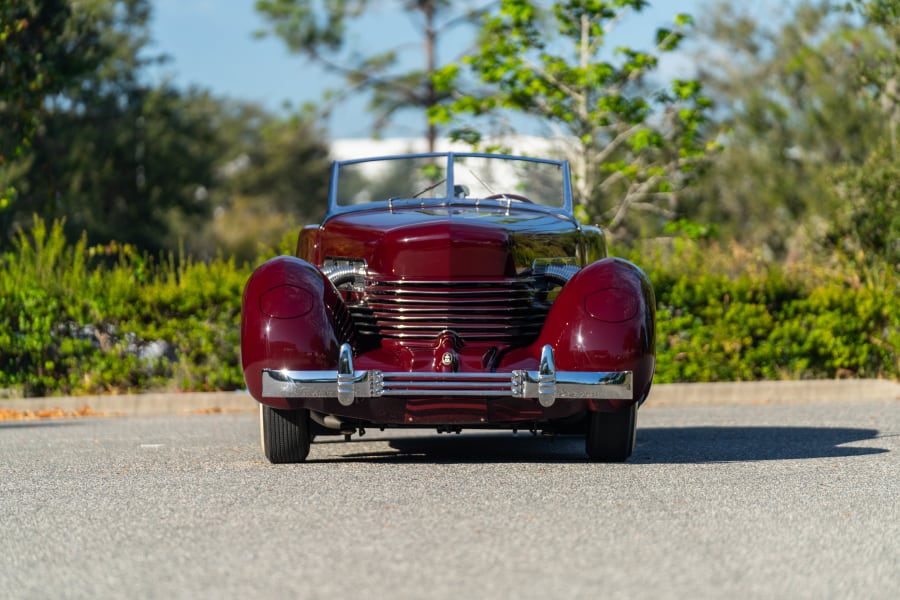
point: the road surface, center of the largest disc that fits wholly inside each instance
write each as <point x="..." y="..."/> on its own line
<point x="795" y="500"/>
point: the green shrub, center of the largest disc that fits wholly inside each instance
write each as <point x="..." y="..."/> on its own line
<point x="79" y="320"/>
<point x="724" y="315"/>
<point x="92" y="320"/>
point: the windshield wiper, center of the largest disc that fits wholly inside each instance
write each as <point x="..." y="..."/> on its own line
<point x="431" y="187"/>
<point x="486" y="186"/>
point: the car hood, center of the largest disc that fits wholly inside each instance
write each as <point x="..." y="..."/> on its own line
<point x="449" y="242"/>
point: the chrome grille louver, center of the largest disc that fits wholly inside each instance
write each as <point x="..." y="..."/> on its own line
<point x="503" y="310"/>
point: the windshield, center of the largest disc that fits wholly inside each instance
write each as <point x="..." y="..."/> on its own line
<point x="474" y="177"/>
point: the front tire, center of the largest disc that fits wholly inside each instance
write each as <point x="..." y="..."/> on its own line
<point x="610" y="436"/>
<point x="285" y="434"/>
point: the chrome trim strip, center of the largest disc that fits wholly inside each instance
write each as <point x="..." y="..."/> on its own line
<point x="546" y="384"/>
<point x="452" y="283"/>
<point x="334" y="208"/>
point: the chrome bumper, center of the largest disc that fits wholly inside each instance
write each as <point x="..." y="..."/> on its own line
<point x="546" y="384"/>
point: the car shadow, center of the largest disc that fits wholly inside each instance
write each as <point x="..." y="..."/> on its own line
<point x="745" y="444"/>
<point x="681" y="445"/>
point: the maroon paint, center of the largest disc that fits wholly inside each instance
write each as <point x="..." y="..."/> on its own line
<point x="436" y="243"/>
<point x="602" y="320"/>
<point x="302" y="342"/>
<point x="583" y="341"/>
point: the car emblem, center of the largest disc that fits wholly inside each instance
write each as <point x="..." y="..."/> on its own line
<point x="447" y="359"/>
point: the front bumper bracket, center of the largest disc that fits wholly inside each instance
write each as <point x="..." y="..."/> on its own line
<point x="546" y="384"/>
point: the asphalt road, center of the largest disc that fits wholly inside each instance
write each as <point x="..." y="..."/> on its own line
<point x="797" y="500"/>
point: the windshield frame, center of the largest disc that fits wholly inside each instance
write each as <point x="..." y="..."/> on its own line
<point x="445" y="199"/>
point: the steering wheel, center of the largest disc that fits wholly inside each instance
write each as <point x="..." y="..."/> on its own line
<point x="509" y="197"/>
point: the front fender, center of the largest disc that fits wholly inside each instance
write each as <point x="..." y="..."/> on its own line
<point x="604" y="319"/>
<point x="287" y="321"/>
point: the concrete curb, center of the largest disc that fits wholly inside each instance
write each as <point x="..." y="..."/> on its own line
<point x="671" y="394"/>
<point x="140" y="405"/>
<point x="773" y="392"/>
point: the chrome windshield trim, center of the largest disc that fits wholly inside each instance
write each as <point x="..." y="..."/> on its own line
<point x="546" y="384"/>
<point x="450" y="159"/>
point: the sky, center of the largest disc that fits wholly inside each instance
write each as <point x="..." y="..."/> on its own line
<point x="212" y="46"/>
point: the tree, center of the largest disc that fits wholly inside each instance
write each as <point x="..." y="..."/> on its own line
<point x="124" y="168"/>
<point x="275" y="179"/>
<point x="798" y="109"/>
<point x="882" y="71"/>
<point x="168" y="169"/>
<point x="632" y="148"/>
<point x="866" y="228"/>
<point x="319" y="31"/>
<point x="123" y="160"/>
<point x="115" y="157"/>
<point x="43" y="49"/>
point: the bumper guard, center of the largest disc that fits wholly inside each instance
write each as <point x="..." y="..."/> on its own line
<point x="546" y="384"/>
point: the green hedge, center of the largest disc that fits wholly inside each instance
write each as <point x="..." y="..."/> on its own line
<point x="79" y="320"/>
<point x="87" y="320"/>
<point x="723" y="315"/>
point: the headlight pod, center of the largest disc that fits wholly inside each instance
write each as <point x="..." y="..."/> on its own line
<point x="286" y="302"/>
<point x="612" y="305"/>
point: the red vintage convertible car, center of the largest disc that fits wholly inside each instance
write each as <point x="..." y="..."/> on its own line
<point x="449" y="291"/>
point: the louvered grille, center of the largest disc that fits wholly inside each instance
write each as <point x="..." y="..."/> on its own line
<point x="505" y="310"/>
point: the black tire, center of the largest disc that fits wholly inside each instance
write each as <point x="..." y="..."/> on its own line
<point x="610" y="436"/>
<point x="285" y="434"/>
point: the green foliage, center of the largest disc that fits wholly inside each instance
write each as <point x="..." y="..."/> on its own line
<point x="76" y="319"/>
<point x="81" y="319"/>
<point x="634" y="143"/>
<point x="729" y="316"/>
<point x="151" y="163"/>
<point x="866" y="226"/>
<point x="809" y="101"/>
<point x="156" y="167"/>
<point x="866" y="230"/>
<point x="42" y="52"/>
<point x="272" y="179"/>
<point x="113" y="156"/>
<point x="39" y="56"/>
<point x="806" y="99"/>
